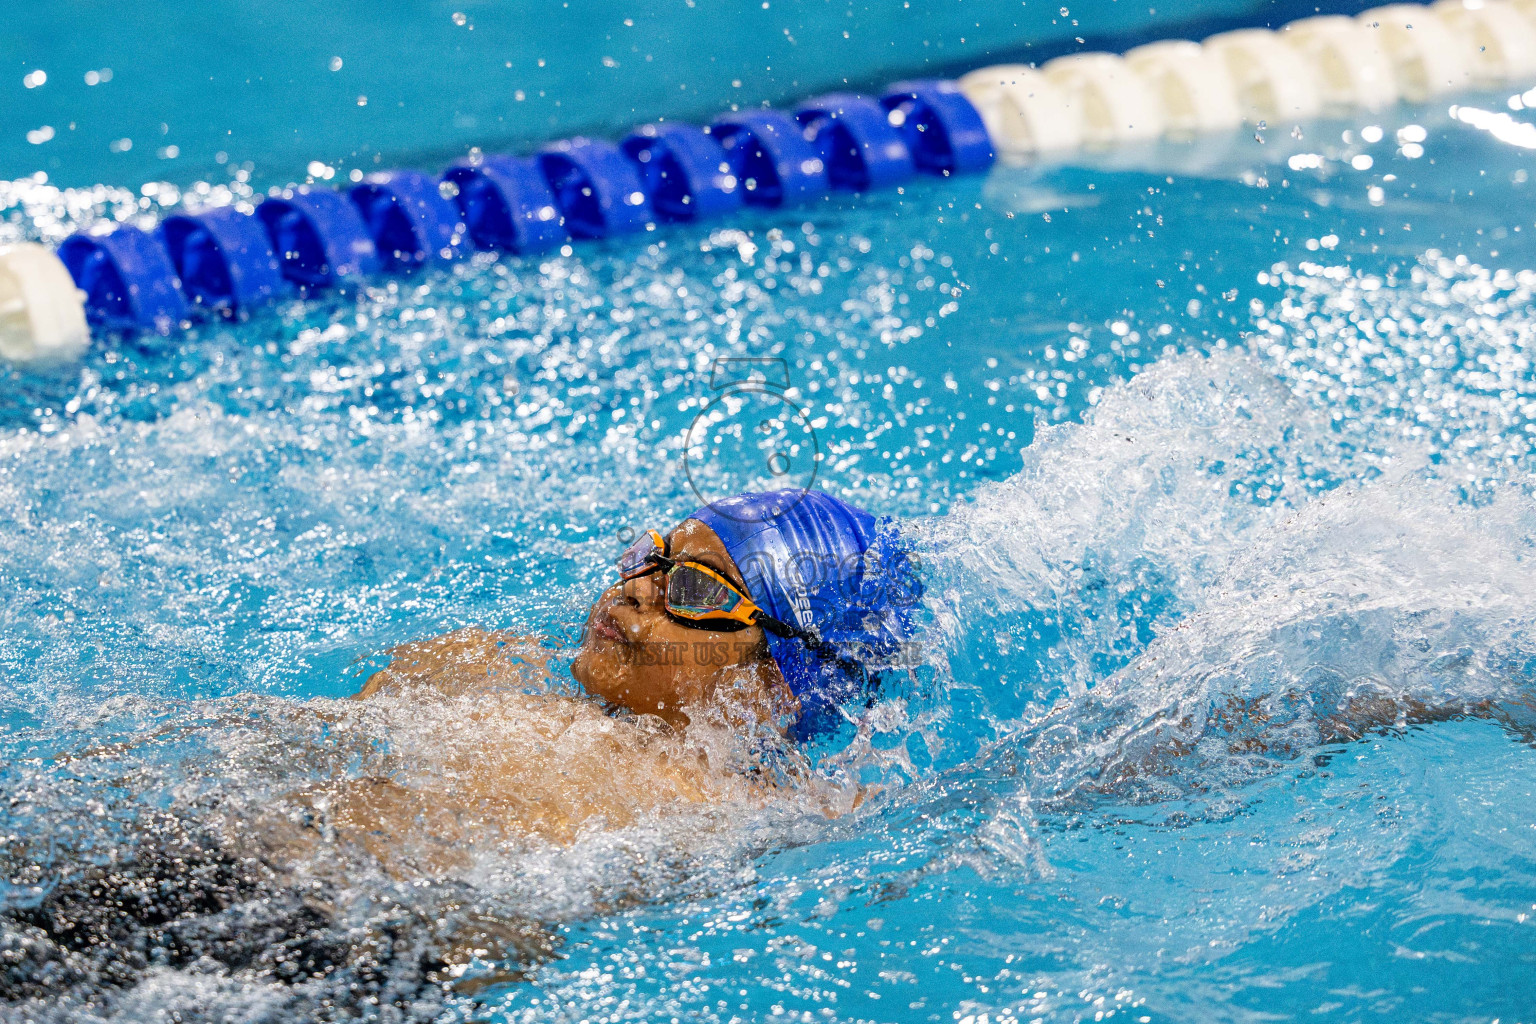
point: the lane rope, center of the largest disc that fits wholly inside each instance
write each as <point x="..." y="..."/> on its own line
<point x="226" y="262"/>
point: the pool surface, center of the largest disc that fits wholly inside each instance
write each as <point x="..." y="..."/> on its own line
<point x="1219" y="459"/>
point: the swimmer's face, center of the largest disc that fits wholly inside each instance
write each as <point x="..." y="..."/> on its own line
<point x="634" y="655"/>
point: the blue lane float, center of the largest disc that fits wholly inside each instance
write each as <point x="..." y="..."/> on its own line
<point x="940" y="128"/>
<point x="223" y="258"/>
<point x="506" y="204"/>
<point x="409" y="219"/>
<point x="684" y="171"/>
<point x="319" y="237"/>
<point x="587" y="188"/>
<point x="770" y="157"/>
<point x="597" y="187"/>
<point x="854" y="138"/>
<point x="128" y="279"/>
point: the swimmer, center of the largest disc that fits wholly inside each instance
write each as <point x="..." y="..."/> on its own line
<point x="721" y="645"/>
<point x="722" y="642"/>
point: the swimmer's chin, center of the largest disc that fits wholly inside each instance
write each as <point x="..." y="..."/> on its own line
<point x="581" y="665"/>
<point x="590" y="653"/>
<point x="588" y="670"/>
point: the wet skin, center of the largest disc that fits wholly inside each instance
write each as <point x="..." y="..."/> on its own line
<point x="469" y="756"/>
<point x="510" y="762"/>
<point x="635" y="656"/>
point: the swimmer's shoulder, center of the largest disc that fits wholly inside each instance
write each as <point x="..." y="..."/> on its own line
<point x="464" y="661"/>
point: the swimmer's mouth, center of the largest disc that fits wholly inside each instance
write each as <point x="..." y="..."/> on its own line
<point x="602" y="625"/>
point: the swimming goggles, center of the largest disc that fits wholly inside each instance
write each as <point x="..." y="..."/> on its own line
<point x="699" y="597"/>
<point x="695" y="595"/>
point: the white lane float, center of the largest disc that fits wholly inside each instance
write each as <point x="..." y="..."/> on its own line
<point x="1108" y="98"/>
<point x="1353" y="71"/>
<point x="42" y="315"/>
<point x="1275" y="82"/>
<point x="1190" y="83"/>
<point x="1025" y="112"/>
<point x="1501" y="40"/>
<point x="1428" y="56"/>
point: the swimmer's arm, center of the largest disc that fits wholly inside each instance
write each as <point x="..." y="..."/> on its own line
<point x="1359" y="715"/>
<point x="1363" y="715"/>
<point x="460" y="662"/>
<point x="1250" y="725"/>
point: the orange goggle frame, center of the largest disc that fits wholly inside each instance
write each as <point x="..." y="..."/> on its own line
<point x="694" y="594"/>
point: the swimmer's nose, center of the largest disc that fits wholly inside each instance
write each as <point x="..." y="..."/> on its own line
<point x="642" y="593"/>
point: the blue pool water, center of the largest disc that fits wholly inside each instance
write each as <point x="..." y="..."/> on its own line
<point x="1217" y="457"/>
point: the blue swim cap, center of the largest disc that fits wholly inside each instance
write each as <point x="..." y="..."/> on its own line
<point x="820" y="564"/>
